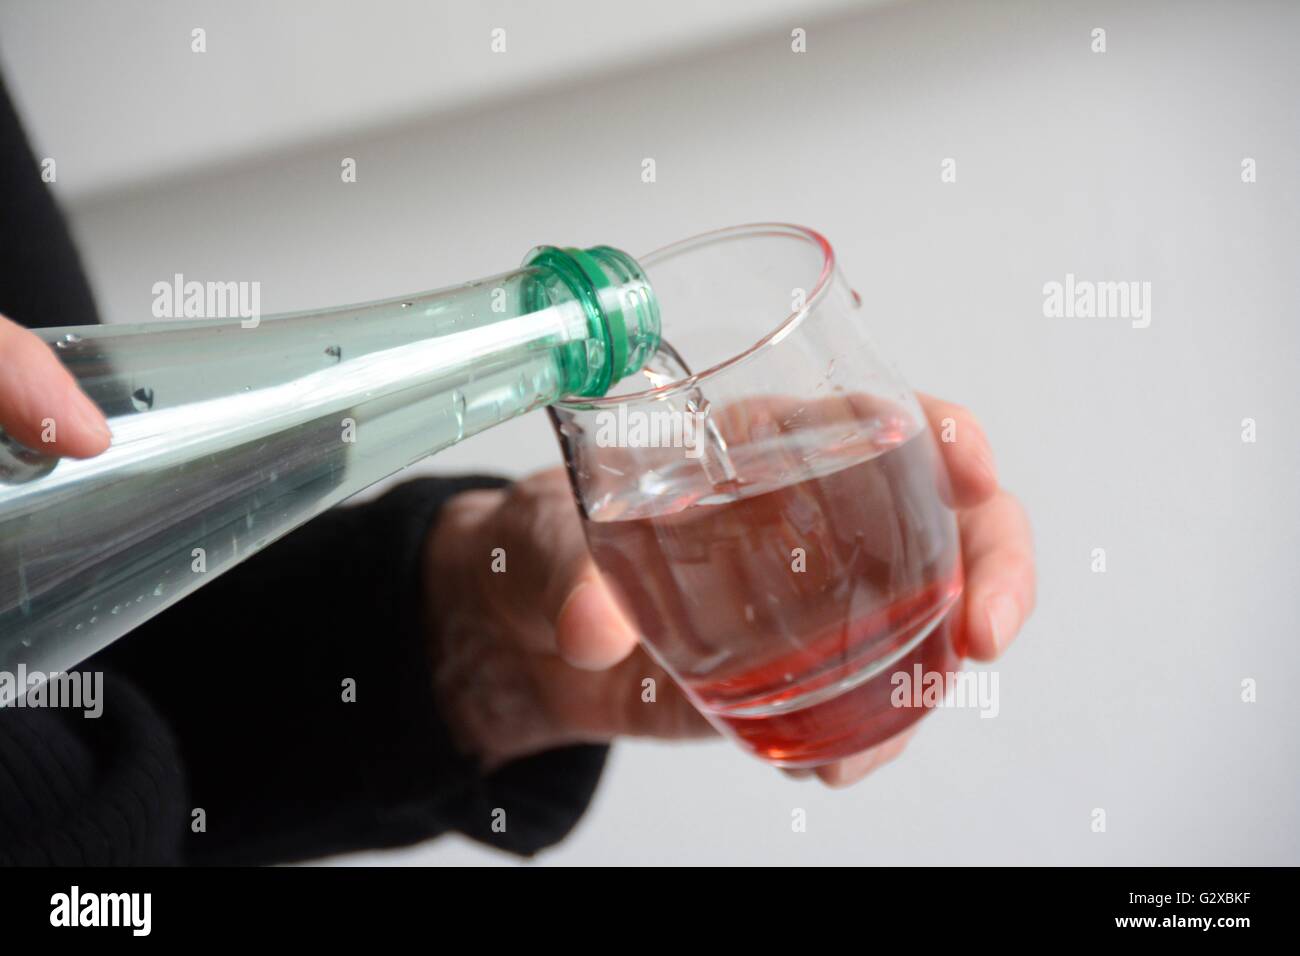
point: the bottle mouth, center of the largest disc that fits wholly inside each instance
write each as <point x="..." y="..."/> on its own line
<point x="622" y="312"/>
<point x="817" y="286"/>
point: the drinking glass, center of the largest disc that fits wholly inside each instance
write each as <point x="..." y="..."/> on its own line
<point x="778" y="523"/>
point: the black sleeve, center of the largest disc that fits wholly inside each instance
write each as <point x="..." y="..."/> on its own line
<point x="285" y="761"/>
<point x="41" y="280"/>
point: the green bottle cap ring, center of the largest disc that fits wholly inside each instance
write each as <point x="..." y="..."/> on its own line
<point x="599" y="278"/>
<point x="610" y="307"/>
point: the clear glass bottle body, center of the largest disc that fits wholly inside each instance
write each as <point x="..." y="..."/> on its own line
<point x="226" y="437"/>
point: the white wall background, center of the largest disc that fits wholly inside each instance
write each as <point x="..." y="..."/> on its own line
<point x="1123" y="691"/>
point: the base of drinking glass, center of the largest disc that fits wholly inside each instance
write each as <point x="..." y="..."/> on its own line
<point x="862" y="717"/>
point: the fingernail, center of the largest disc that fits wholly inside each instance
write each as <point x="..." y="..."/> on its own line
<point x="573" y="596"/>
<point x="88" y="417"/>
<point x="1004" y="617"/>
<point x="850" y="770"/>
<point x="583" y="630"/>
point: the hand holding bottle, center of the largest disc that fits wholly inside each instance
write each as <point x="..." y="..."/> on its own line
<point x="41" y="405"/>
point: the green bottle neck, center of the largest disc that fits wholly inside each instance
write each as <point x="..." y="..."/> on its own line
<point x="621" y="309"/>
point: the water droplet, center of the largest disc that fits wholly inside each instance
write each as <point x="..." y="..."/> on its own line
<point x="116" y="608"/>
<point x="406" y="305"/>
<point x="142" y="398"/>
<point x="458" y="407"/>
<point x="68" y="340"/>
<point x="26" y="642"/>
<point x="93" y="620"/>
<point x="157" y="592"/>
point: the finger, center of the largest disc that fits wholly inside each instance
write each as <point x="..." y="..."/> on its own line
<point x="591" y="630"/>
<point x="966" y="451"/>
<point x="41" y="405"/>
<point x="998" y="552"/>
<point x="588" y="628"/>
<point x="844" y="773"/>
<point x="758" y="419"/>
<point x="967" y="457"/>
<point x="636" y="698"/>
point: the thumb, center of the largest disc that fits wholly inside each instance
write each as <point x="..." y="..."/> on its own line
<point x="591" y="630"/>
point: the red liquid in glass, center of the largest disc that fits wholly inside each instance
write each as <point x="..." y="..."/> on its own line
<point x="785" y="608"/>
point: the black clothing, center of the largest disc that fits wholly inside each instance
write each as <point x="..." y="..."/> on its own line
<point x="231" y="702"/>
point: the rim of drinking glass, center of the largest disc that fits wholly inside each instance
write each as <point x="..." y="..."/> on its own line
<point x="782" y="329"/>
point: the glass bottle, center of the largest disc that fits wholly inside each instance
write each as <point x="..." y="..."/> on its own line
<point x="228" y="434"/>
